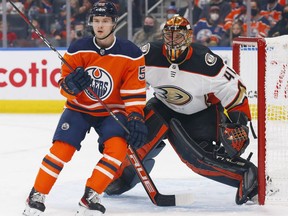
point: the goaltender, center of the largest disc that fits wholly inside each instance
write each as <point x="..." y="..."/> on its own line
<point x="200" y="106"/>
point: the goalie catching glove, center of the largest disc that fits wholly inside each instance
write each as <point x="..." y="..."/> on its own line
<point x="76" y="81"/>
<point x="235" y="136"/>
<point x="138" y="130"/>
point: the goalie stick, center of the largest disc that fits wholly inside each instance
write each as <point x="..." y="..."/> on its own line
<point x="154" y="195"/>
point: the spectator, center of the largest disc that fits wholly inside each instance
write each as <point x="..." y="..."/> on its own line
<point x="282" y="2"/>
<point x="272" y="10"/>
<point x="11" y="36"/>
<point x="78" y="31"/>
<point x="234" y="4"/>
<point x="224" y="6"/>
<point x="57" y="36"/>
<point x="10" y="9"/>
<point x="208" y="31"/>
<point x="236" y="14"/>
<point x="40" y="6"/>
<point x="236" y="30"/>
<point x="148" y="33"/>
<point x="79" y="9"/>
<point x="281" y="27"/>
<point x="195" y="10"/>
<point x="34" y="37"/>
<point x="61" y="20"/>
<point x="259" y="24"/>
<point x="47" y="6"/>
<point x="170" y="12"/>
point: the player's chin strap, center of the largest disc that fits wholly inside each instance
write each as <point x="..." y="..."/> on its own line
<point x="111" y="32"/>
<point x="105" y="36"/>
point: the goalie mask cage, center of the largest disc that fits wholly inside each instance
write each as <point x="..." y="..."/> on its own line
<point x="263" y="66"/>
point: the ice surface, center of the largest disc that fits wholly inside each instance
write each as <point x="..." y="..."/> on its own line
<point x="25" y="139"/>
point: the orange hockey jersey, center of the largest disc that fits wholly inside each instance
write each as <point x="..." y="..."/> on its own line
<point x="118" y="75"/>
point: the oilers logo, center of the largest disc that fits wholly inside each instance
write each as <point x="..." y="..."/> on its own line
<point x="102" y="83"/>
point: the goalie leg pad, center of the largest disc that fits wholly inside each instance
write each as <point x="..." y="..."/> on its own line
<point x="206" y="163"/>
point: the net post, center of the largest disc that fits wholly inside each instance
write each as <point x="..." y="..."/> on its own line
<point x="261" y="109"/>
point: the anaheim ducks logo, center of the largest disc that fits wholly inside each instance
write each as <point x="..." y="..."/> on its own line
<point x="102" y="83"/>
<point x="174" y="95"/>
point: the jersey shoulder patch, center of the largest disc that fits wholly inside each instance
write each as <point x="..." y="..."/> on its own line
<point x="210" y="59"/>
<point x="145" y="48"/>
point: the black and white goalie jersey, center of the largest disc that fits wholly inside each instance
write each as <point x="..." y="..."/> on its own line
<point x="188" y="84"/>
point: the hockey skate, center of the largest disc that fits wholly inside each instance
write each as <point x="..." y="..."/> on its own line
<point x="89" y="204"/>
<point x="34" y="204"/>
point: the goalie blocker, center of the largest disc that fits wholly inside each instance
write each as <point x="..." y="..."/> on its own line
<point x="195" y="140"/>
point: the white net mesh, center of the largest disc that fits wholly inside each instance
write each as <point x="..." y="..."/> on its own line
<point x="277" y="115"/>
<point x="276" y="111"/>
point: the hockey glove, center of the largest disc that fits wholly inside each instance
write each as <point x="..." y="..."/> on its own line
<point x="76" y="81"/>
<point x="235" y="136"/>
<point x="138" y="130"/>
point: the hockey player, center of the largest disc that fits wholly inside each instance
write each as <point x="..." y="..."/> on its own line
<point x="200" y="106"/>
<point x="115" y="70"/>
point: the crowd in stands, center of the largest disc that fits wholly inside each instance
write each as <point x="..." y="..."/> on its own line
<point x="215" y="22"/>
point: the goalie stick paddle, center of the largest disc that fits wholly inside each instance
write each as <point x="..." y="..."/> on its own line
<point x="157" y="198"/>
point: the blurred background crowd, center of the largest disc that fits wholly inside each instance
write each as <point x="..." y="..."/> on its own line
<point x="215" y="22"/>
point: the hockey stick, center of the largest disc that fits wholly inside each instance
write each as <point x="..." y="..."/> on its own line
<point x="157" y="198"/>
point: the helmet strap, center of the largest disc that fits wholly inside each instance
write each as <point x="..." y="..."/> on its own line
<point x="113" y="29"/>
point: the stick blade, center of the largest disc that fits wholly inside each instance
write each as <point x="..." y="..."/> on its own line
<point x="174" y="200"/>
<point x="165" y="200"/>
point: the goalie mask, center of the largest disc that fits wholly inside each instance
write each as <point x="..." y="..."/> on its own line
<point x="103" y="9"/>
<point x="177" y="35"/>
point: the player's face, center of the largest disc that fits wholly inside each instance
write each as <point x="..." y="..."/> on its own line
<point x="102" y="26"/>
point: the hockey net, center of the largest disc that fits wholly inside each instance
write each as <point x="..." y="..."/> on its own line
<point x="263" y="66"/>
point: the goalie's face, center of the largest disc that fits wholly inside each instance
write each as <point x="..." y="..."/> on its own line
<point x="177" y="36"/>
